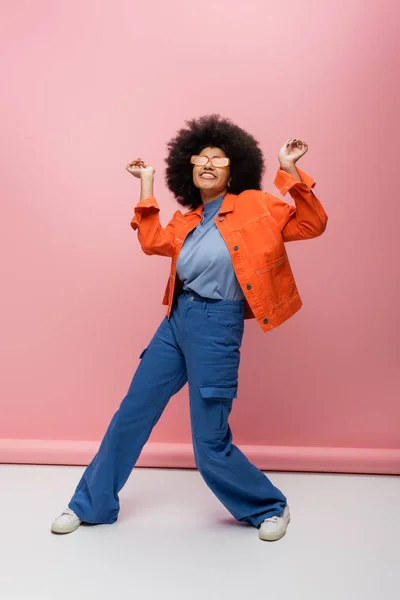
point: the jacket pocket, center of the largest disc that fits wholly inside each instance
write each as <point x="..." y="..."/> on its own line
<point x="277" y="281"/>
<point x="256" y="235"/>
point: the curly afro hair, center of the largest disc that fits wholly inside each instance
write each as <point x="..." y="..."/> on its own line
<point x="247" y="162"/>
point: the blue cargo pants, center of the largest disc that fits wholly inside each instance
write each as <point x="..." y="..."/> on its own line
<point x="199" y="344"/>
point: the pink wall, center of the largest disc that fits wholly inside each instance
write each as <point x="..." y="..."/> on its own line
<point x="91" y="85"/>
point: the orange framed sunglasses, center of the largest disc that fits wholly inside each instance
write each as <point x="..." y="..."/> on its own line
<point x="216" y="161"/>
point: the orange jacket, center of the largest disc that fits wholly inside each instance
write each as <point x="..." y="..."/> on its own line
<point x="254" y="225"/>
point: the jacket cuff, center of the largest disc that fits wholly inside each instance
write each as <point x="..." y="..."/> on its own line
<point x="149" y="202"/>
<point x="284" y="181"/>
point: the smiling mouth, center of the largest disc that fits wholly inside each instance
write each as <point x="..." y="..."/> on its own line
<point x="207" y="176"/>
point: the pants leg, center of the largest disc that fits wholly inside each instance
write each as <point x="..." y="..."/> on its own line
<point x="213" y="335"/>
<point x="160" y="374"/>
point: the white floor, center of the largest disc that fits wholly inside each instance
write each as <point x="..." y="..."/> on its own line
<point x="174" y="540"/>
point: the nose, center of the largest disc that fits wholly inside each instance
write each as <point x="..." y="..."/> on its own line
<point x="208" y="162"/>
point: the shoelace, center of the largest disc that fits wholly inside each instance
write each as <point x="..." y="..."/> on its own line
<point x="273" y="519"/>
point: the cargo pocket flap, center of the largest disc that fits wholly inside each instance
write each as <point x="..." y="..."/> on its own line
<point x="218" y="391"/>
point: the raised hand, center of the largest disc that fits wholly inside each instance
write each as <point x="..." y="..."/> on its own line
<point x="291" y="151"/>
<point x="138" y="168"/>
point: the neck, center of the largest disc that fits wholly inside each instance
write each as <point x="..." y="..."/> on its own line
<point x="209" y="197"/>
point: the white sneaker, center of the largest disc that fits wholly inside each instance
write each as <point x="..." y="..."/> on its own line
<point x="274" y="528"/>
<point x="66" y="522"/>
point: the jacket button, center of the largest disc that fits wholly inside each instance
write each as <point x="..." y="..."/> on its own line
<point x="221" y="219"/>
<point x="236" y="247"/>
<point x="248" y="286"/>
<point x="265" y="320"/>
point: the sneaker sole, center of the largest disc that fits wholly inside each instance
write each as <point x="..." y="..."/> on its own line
<point x="273" y="538"/>
<point x="61" y="529"/>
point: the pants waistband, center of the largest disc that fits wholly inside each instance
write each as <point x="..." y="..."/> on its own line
<point x="195" y="297"/>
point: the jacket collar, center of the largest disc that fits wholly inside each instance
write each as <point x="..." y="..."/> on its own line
<point x="226" y="206"/>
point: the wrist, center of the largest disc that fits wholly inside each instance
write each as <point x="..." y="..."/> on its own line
<point x="287" y="165"/>
<point x="290" y="169"/>
<point x="147" y="177"/>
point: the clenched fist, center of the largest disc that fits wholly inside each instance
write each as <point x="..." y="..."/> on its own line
<point x="139" y="169"/>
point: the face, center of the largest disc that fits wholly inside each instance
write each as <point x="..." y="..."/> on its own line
<point x="211" y="181"/>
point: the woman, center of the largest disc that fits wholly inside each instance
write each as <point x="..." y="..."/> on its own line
<point x="229" y="263"/>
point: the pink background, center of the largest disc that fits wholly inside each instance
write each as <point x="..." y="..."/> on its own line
<point x="92" y="85"/>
